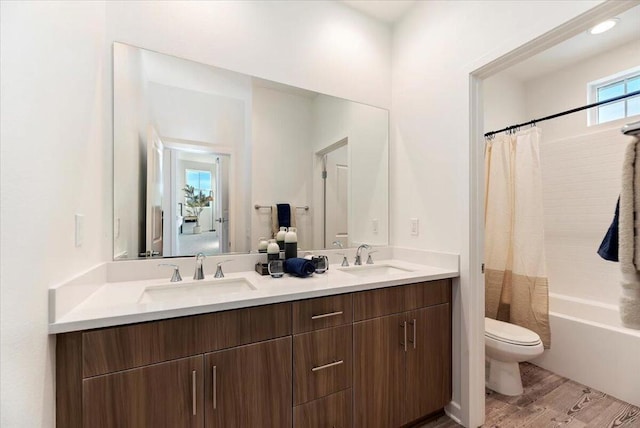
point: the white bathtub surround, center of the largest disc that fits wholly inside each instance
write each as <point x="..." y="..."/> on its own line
<point x="112" y="293"/>
<point x="516" y="286"/>
<point x="629" y="242"/>
<point x="591" y="346"/>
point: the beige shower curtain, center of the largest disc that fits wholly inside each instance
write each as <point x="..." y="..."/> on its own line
<point x="516" y="286"/>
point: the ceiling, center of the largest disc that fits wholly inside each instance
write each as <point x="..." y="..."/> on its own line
<point x="580" y="47"/>
<point x="387" y="11"/>
<point x="573" y="50"/>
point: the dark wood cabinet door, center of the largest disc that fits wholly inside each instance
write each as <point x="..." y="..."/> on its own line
<point x="428" y="361"/>
<point x="166" y="395"/>
<point x="332" y="411"/>
<point x="249" y="386"/>
<point x="378" y="372"/>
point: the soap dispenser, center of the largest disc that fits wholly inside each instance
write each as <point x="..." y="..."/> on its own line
<point x="262" y="245"/>
<point x="291" y="244"/>
<point x="273" y="250"/>
<point x="280" y="237"/>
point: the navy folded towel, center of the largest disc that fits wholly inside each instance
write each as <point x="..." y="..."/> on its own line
<point x="609" y="248"/>
<point x="299" y="267"/>
<point x="284" y="215"/>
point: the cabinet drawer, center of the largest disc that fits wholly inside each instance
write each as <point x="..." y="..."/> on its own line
<point x="331" y="411"/>
<point x="401" y="298"/>
<point x="323" y="312"/>
<point x="119" y="348"/>
<point x="322" y="363"/>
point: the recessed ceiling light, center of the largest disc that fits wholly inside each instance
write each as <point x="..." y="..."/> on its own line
<point x="603" y="26"/>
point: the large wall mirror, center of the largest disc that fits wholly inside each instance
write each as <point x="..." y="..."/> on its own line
<point x="203" y="156"/>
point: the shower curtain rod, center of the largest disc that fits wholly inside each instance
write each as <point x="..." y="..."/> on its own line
<point x="574" y="110"/>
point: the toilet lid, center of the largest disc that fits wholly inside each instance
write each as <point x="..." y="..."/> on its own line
<point x="509" y="333"/>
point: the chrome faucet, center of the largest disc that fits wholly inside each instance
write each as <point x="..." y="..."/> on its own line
<point x="199" y="273"/>
<point x="358" y="261"/>
<point x="219" y="273"/>
<point x="176" y="272"/>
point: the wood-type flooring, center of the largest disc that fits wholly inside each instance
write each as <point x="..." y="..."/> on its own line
<point x="550" y="400"/>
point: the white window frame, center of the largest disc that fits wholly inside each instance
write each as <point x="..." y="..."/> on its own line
<point x="592" y="92"/>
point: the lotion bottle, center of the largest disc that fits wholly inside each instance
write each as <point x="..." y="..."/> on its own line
<point x="280" y="237"/>
<point x="273" y="250"/>
<point x="291" y="244"/>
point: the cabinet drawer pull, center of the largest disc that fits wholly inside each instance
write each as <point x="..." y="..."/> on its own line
<point x="215" y="387"/>
<point x="413" y="324"/>
<point x="193" y="391"/>
<point x="326" y="366"/>
<point x="330" y="314"/>
<point x="404" y="334"/>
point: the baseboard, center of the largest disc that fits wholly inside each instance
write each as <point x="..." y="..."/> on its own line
<point x="454" y="411"/>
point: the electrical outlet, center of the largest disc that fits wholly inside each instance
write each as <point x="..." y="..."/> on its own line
<point x="413" y="226"/>
<point x="79" y="229"/>
<point x="374" y="225"/>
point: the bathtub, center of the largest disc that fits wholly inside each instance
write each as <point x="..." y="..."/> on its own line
<point x="589" y="345"/>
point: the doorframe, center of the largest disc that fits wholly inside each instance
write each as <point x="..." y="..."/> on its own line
<point x="211" y="149"/>
<point x="318" y="164"/>
<point x="473" y="305"/>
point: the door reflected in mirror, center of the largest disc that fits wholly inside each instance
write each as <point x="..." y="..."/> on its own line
<point x="197" y="148"/>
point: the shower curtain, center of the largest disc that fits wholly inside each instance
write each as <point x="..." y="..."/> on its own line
<point x="516" y="286"/>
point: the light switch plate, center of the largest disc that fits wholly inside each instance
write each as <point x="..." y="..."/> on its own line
<point x="374" y="225"/>
<point x="413" y="226"/>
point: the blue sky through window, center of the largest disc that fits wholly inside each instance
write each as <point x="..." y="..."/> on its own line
<point x="200" y="180"/>
<point x="620" y="109"/>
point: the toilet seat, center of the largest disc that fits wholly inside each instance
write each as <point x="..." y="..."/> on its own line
<point x="510" y="333"/>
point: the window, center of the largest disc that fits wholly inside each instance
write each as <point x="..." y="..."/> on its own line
<point x="611" y="87"/>
<point x="200" y="180"/>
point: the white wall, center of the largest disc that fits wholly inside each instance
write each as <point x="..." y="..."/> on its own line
<point x="56" y="102"/>
<point x="55" y="155"/>
<point x="285" y="41"/>
<point x="503" y="102"/>
<point x="435" y="49"/>
<point x="581" y="175"/>
<point x="282" y="160"/>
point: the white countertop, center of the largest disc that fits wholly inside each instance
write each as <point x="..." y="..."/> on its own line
<point x="117" y="303"/>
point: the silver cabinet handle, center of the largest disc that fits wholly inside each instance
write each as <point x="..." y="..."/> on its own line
<point x="404" y="333"/>
<point x="193" y="392"/>
<point x="326" y="366"/>
<point x="413" y="324"/>
<point x="330" y="314"/>
<point x="215" y="387"/>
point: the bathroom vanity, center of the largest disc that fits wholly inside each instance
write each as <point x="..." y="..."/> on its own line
<point x="379" y="357"/>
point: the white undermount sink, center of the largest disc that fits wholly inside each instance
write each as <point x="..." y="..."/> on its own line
<point x="195" y="289"/>
<point x="374" y="270"/>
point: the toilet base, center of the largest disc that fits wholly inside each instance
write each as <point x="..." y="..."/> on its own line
<point x="503" y="378"/>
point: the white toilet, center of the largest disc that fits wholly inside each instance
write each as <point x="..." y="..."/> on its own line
<point x="505" y="346"/>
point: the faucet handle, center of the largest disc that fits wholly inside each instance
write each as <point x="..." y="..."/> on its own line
<point x="176" y="272"/>
<point x="369" y="259"/>
<point x="337" y="244"/>
<point x="345" y="262"/>
<point x="219" y="273"/>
